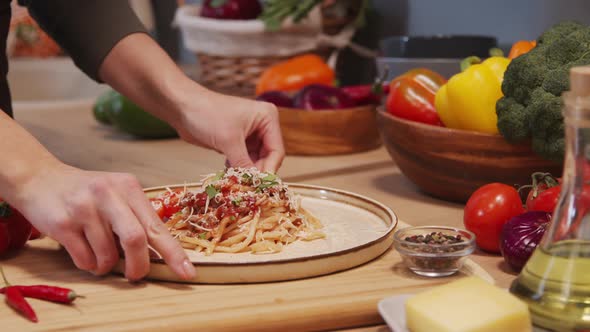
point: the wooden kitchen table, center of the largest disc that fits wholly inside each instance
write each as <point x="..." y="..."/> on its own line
<point x="70" y="132"/>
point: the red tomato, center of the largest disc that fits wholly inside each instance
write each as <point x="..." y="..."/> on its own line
<point x="167" y="205"/>
<point x="158" y="206"/>
<point x="411" y="96"/>
<point x="4" y="238"/>
<point x="487" y="210"/>
<point x="544" y="200"/>
<point x="19" y="228"/>
<point x="171" y="209"/>
<point x="35" y="234"/>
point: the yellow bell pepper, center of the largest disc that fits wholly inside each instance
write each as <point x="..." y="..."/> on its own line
<point x="468" y="100"/>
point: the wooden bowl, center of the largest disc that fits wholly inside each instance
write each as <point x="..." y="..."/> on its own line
<point x="329" y="132"/>
<point x="451" y="164"/>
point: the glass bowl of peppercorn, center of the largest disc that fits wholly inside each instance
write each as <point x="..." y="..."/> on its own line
<point x="434" y="251"/>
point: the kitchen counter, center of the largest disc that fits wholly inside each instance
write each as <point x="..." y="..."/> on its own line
<point x="71" y="133"/>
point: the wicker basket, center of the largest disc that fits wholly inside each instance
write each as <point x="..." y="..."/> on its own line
<point x="234" y="75"/>
<point x="233" y="54"/>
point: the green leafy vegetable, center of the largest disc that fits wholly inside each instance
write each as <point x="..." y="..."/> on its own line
<point x="276" y="11"/>
<point x="203" y="235"/>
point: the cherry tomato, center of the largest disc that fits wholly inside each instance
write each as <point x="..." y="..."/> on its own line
<point x="487" y="210"/>
<point x="543" y="200"/>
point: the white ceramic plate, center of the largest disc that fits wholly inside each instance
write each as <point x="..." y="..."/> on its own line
<point x="393" y="311"/>
<point x="358" y="229"/>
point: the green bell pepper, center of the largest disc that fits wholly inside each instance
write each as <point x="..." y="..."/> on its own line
<point x="125" y="115"/>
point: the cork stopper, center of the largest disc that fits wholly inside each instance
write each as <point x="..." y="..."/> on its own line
<point x="580" y="81"/>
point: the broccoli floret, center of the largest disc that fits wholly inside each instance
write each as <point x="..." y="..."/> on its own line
<point x="559" y="30"/>
<point x="546" y="124"/>
<point x="569" y="48"/>
<point x="523" y="74"/>
<point x="532" y="87"/>
<point x="512" y="122"/>
<point x="558" y="80"/>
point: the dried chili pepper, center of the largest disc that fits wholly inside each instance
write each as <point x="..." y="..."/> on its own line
<point x="16" y="300"/>
<point x="48" y="293"/>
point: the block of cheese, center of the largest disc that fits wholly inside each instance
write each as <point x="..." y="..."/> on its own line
<point x="467" y="305"/>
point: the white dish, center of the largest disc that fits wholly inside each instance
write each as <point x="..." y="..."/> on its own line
<point x="358" y="229"/>
<point x="393" y="311"/>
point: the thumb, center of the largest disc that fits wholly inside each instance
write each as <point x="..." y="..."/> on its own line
<point x="237" y="155"/>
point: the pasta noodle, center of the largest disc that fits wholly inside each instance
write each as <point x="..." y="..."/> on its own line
<point x="237" y="210"/>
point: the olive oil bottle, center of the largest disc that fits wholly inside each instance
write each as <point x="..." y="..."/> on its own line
<point x="555" y="282"/>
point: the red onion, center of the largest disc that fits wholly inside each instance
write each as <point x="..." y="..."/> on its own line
<point x="521" y="235"/>
<point x="277" y="98"/>
<point x="322" y="97"/>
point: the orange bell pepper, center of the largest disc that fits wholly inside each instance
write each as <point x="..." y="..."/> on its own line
<point x="521" y="47"/>
<point x="294" y="74"/>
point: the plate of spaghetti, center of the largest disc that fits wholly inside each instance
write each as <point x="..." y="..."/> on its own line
<point x="242" y="225"/>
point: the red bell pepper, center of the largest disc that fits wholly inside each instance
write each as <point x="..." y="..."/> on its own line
<point x="411" y="96"/>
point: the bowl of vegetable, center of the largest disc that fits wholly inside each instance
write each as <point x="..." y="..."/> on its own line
<point x="498" y="120"/>
<point x="326" y="120"/>
<point x="452" y="163"/>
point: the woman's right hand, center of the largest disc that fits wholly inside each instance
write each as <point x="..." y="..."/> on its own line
<point x="87" y="212"/>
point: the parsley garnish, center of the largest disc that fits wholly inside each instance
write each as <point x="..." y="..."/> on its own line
<point x="203" y="236"/>
<point x="266" y="182"/>
<point x="265" y="185"/>
<point x="237" y="201"/>
<point x="211" y="191"/>
<point x="269" y="178"/>
<point x="218" y="176"/>
<point x="247" y="178"/>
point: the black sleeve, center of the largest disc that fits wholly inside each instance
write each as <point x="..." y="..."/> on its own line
<point x="86" y="29"/>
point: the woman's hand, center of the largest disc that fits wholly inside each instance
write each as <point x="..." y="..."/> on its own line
<point x="247" y="132"/>
<point x="89" y="212"/>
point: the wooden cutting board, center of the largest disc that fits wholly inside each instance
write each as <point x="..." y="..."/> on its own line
<point x="340" y="300"/>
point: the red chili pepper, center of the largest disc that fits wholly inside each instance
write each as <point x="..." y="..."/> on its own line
<point x="366" y="94"/>
<point x="16" y="300"/>
<point x="370" y="93"/>
<point x="48" y="293"/>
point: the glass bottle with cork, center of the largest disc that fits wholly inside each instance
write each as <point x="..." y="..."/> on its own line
<point x="555" y="282"/>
